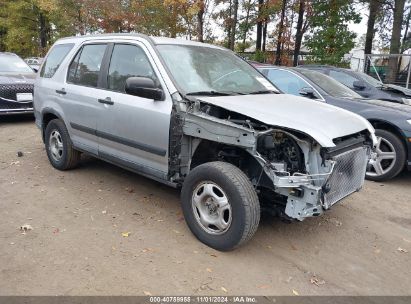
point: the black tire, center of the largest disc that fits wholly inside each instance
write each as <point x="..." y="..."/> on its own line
<point x="69" y="157"/>
<point x="241" y="196"/>
<point x="400" y="157"/>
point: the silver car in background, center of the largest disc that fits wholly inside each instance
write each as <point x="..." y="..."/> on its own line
<point x="196" y="116"/>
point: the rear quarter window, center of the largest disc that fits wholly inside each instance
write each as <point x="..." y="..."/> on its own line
<point x="54" y="59"/>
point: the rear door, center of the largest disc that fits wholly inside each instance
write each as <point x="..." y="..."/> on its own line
<point x="81" y="93"/>
<point x="133" y="131"/>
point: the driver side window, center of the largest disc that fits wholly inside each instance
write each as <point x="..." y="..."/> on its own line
<point x="286" y="81"/>
<point x="128" y="61"/>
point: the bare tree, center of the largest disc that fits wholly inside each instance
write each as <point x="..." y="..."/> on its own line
<point x="374" y="6"/>
<point x="395" y="40"/>
<point x="280" y="33"/>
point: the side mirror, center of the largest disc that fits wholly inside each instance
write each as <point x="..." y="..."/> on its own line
<point x="307" y="92"/>
<point x="143" y="87"/>
<point x="35" y="70"/>
<point x="359" y="85"/>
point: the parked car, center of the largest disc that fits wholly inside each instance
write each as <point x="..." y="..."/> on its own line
<point x="16" y="85"/>
<point x="197" y="116"/>
<point x="365" y="85"/>
<point x="34" y="63"/>
<point x="392" y="121"/>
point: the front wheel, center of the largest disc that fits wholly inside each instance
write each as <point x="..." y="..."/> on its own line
<point x="220" y="205"/>
<point x="390" y="158"/>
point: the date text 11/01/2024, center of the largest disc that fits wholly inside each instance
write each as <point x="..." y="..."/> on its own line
<point x="203" y="299"/>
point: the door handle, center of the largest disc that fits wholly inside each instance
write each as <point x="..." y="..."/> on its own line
<point x="62" y="92"/>
<point x="106" y="100"/>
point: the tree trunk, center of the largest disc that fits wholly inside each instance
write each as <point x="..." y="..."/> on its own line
<point x="233" y="24"/>
<point x="299" y="33"/>
<point x="200" y="21"/>
<point x="369" y="36"/>
<point x="280" y="33"/>
<point x="395" y="40"/>
<point x="259" y="26"/>
<point x="44" y="33"/>
<point x="247" y="18"/>
<point x="264" y="34"/>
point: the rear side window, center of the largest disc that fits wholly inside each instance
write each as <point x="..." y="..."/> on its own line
<point x="85" y="67"/>
<point x="128" y="61"/>
<point x="344" y="78"/>
<point x="54" y="59"/>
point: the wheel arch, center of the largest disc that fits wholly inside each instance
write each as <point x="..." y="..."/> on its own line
<point x="48" y="115"/>
<point x="209" y="151"/>
<point x="388" y="126"/>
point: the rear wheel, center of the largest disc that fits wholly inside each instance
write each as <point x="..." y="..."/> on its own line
<point x="59" y="147"/>
<point x="220" y="205"/>
<point x="390" y="158"/>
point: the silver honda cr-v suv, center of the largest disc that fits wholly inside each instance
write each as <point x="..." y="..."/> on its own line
<point x="197" y="116"/>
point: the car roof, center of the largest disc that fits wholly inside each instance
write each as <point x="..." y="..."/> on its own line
<point x="152" y="39"/>
<point x="8" y="54"/>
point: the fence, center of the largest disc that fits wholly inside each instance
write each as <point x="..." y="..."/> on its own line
<point x="376" y="65"/>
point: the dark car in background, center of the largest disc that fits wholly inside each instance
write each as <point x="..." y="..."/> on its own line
<point x="365" y="85"/>
<point x="16" y="85"/>
<point x="392" y="121"/>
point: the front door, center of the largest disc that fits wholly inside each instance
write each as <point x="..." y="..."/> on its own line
<point x="133" y="131"/>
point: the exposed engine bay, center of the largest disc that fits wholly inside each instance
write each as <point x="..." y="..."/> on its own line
<point x="293" y="174"/>
<point x="282" y="151"/>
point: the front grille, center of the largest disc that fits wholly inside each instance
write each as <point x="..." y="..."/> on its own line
<point x="9" y="91"/>
<point x="347" y="177"/>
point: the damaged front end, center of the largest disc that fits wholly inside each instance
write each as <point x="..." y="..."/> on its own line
<point x="292" y="173"/>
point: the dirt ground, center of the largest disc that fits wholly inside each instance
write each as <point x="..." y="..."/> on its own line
<point x="77" y="247"/>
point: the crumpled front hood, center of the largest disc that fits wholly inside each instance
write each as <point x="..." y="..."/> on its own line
<point x="398" y="88"/>
<point x="320" y="121"/>
<point x="387" y="105"/>
<point x="10" y="78"/>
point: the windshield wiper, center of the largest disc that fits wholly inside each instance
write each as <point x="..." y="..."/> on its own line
<point x="262" y="92"/>
<point x="210" y="93"/>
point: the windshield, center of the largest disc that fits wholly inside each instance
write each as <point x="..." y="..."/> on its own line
<point x="13" y="64"/>
<point x="371" y="80"/>
<point x="329" y="85"/>
<point x="206" y="70"/>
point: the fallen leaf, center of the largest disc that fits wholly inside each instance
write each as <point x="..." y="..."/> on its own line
<point x="104" y="211"/>
<point x="126" y="234"/>
<point x="293" y="247"/>
<point x="213" y="255"/>
<point x="147" y="293"/>
<point x="176" y="231"/>
<point x="295" y="292"/>
<point x="223" y="289"/>
<point x="15" y="163"/>
<point x="402" y="250"/>
<point x="264" y="286"/>
<point x="26" y="227"/>
<point x="209" y="270"/>
<point x="269" y="247"/>
<point x="405" y="240"/>
<point x="316" y="281"/>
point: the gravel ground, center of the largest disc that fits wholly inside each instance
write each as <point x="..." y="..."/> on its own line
<point x="101" y="230"/>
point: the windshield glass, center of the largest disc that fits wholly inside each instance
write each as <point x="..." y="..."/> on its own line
<point x="198" y="69"/>
<point x="371" y="80"/>
<point x="13" y="64"/>
<point x="329" y="85"/>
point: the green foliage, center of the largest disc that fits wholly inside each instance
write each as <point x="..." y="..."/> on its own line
<point x="330" y="38"/>
<point x="259" y="56"/>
